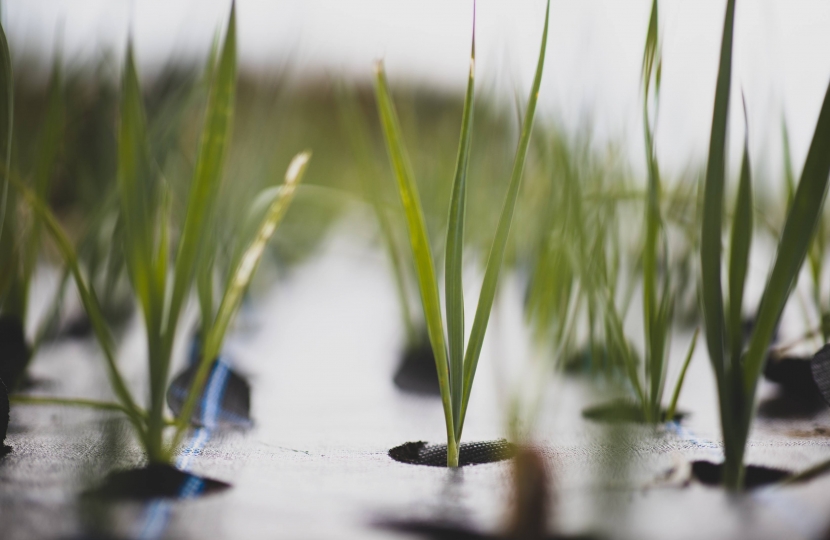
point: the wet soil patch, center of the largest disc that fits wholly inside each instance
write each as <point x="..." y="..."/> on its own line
<point x="623" y="411"/>
<point x="417" y="373"/>
<point x="232" y="394"/>
<point x="14" y="353"/>
<point x="156" y="481"/>
<point x="449" y="531"/>
<point x="435" y="455"/>
<point x="711" y="474"/>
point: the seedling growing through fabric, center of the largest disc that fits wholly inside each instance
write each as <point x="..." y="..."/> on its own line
<point x="456" y="364"/>
<point x="737" y="368"/>
<point x="160" y="284"/>
<point x="658" y="295"/>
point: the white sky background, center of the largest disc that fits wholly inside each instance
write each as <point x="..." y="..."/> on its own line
<point x="781" y="55"/>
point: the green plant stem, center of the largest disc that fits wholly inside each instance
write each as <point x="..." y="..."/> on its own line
<point x="18" y="399"/>
<point x="680" y="378"/>
<point x="494" y="260"/>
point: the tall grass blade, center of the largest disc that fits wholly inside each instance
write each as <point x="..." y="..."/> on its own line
<point x="491" y="274"/>
<point x="354" y="125"/>
<point x="239" y="279"/>
<point x="799" y="228"/>
<point x="713" y="193"/>
<point x="6" y="121"/>
<point x="419" y="242"/>
<point x="739" y="256"/>
<point x="208" y="172"/>
<point x="682" y="377"/>
<point x="89" y="301"/>
<point x="455" y="247"/>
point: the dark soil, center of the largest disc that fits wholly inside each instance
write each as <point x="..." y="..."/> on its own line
<point x="156" y="481"/>
<point x="711" y="474"/>
<point x="820" y="368"/>
<point x="14" y="353"/>
<point x="235" y="398"/>
<point x="450" y="531"/>
<point x="799" y="395"/>
<point x="623" y="411"/>
<point x="417" y="373"/>
<point x="435" y="455"/>
<point x="4" y="418"/>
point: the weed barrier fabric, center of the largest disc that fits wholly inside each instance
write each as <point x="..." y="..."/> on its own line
<point x="316" y="464"/>
<point x="14" y="353"/>
<point x="435" y="455"/>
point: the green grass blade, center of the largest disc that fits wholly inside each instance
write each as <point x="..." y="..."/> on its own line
<point x="739" y="256"/>
<point x="713" y="194"/>
<point x="455" y="249"/>
<point x="680" y="378"/>
<point x="238" y="282"/>
<point x="419" y="242"/>
<point x="354" y="125"/>
<point x="49" y="147"/>
<point x="6" y="121"/>
<point x="213" y="146"/>
<point x="89" y="300"/>
<point x="654" y="333"/>
<point x="799" y="228"/>
<point x="491" y="274"/>
<point x="19" y="399"/>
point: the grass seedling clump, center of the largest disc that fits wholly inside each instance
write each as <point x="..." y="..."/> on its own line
<point x="737" y="368"/>
<point x="162" y="283"/>
<point x="20" y="234"/>
<point x="456" y="365"/>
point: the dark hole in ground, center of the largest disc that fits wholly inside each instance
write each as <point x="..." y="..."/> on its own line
<point x="156" y="481"/>
<point x="799" y="396"/>
<point x="711" y="474"/>
<point x="234" y="397"/>
<point x="435" y="455"/>
<point x="621" y="411"/>
<point x="820" y="367"/>
<point x="449" y="531"/>
<point x="4" y="418"/>
<point x="14" y="353"/>
<point x="417" y="373"/>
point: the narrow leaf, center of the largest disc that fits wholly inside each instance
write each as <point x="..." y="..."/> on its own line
<point x="455" y="247"/>
<point x="739" y="256"/>
<point x="491" y="274"/>
<point x="419" y="241"/>
<point x="239" y="280"/>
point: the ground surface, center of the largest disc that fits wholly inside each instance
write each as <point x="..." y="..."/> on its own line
<point x="320" y="348"/>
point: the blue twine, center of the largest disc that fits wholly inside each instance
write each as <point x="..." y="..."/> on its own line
<point x="158" y="512"/>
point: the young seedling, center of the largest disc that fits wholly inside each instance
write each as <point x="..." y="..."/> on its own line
<point x="658" y="294"/>
<point x="737" y="368"/>
<point x="145" y="213"/>
<point x="456" y="365"/>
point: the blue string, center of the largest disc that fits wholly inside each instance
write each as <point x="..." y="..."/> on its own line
<point x="158" y="512"/>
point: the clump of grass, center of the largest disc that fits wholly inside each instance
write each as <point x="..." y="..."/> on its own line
<point x="162" y="285"/>
<point x="736" y="368"/>
<point x="20" y="236"/>
<point x="456" y="365"/>
<point x="658" y="291"/>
